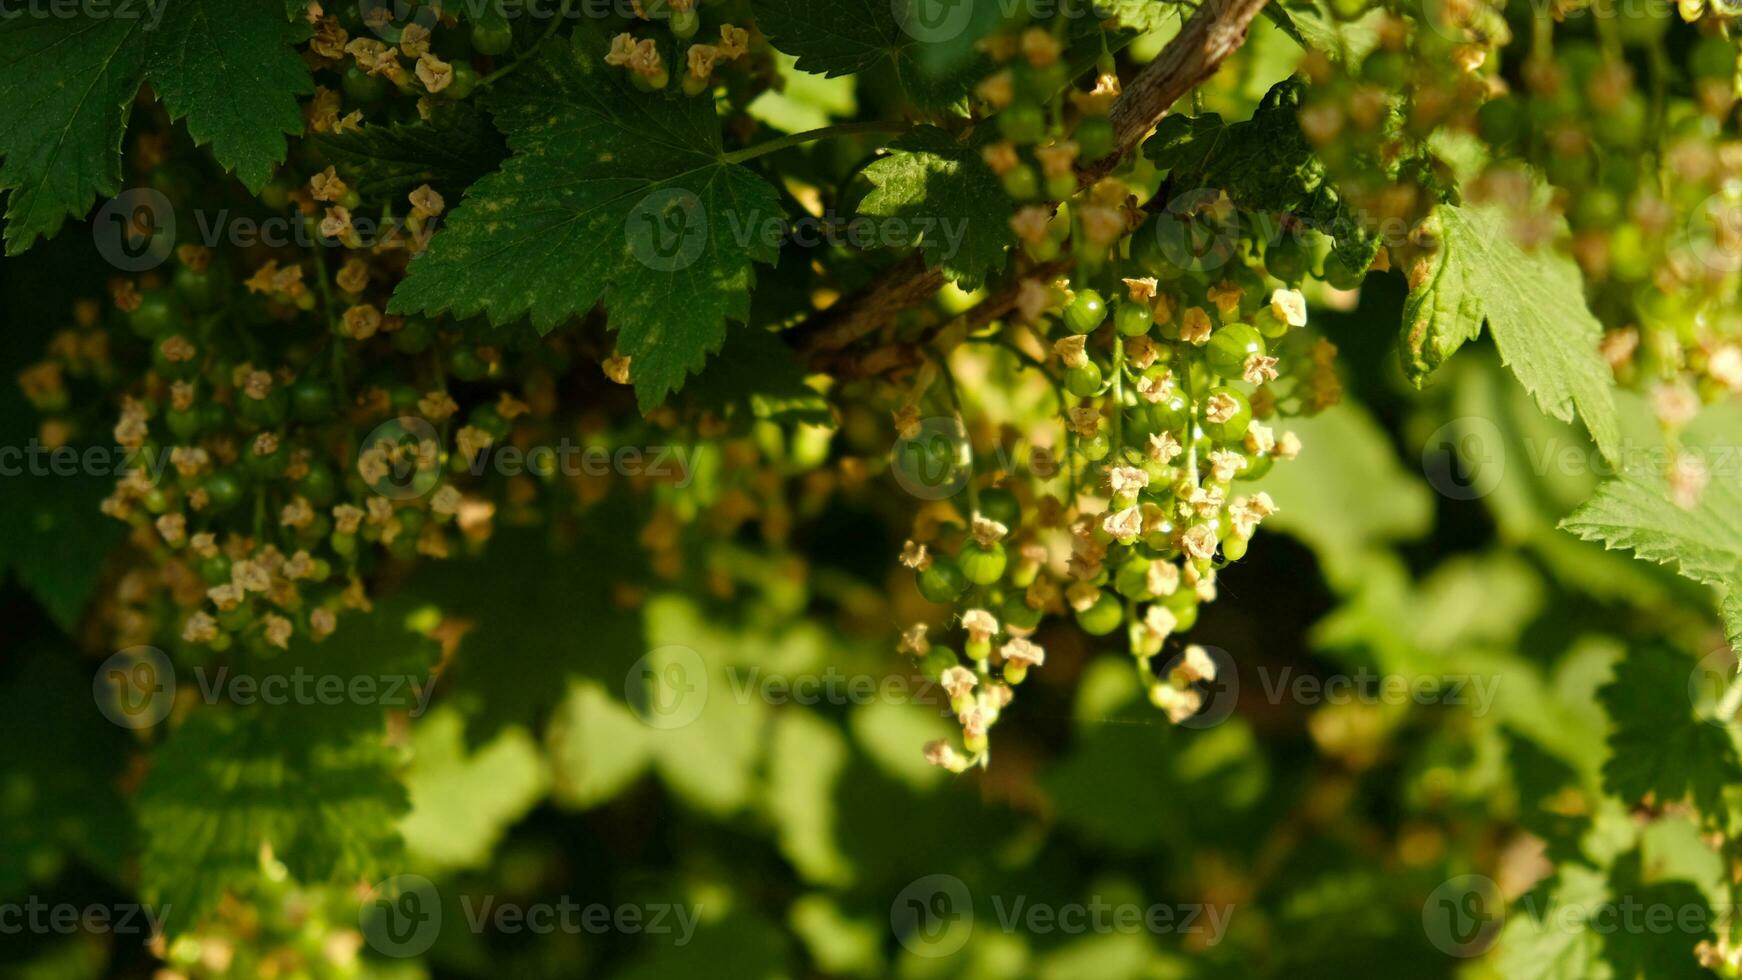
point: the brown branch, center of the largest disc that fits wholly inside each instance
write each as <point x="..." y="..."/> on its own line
<point x="909" y="354"/>
<point x="1214" y="32"/>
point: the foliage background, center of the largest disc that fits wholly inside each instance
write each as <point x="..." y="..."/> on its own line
<point x="794" y="826"/>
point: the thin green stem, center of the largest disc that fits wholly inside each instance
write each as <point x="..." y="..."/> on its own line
<point x="811" y="136"/>
<point x="949" y="380"/>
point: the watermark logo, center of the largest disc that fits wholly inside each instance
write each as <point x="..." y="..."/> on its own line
<point x="933" y="916"/>
<point x="935" y="461"/>
<point x="388" y="19"/>
<point x="668" y="230"/>
<point x="1219" y="694"/>
<point x="1465" y="459"/>
<point x="1463" y="916"/>
<point x="667" y="687"/>
<point x="400" y="458"/>
<point x="933" y="21"/>
<point x="135" y="688"/>
<point x="1714" y="688"/>
<point x="402" y="916"/>
<point x="1197" y="232"/>
<point x="1713" y="233"/>
<point x="135" y="230"/>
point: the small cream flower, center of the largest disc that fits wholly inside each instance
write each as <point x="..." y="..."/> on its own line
<point x="980" y="624"/>
<point x="1164" y="446"/>
<point x="1199" y="542"/>
<point x="326" y="186"/>
<point x="1289" y="306"/>
<point x="278" y="630"/>
<point x="1258" y="369"/>
<point x="1085" y="420"/>
<point x="1141" y="352"/>
<point x="1260" y="439"/>
<point x="1124" y="525"/>
<point x="988" y="532"/>
<point x="940" y="754"/>
<point x="1155" y="389"/>
<point x="445" y="501"/>
<point x="435" y="74"/>
<point x="958" y="681"/>
<point x="1072" y="350"/>
<point x="1287" y="446"/>
<point x="1176" y="703"/>
<point x="1141" y="290"/>
<point x="1225" y="463"/>
<point x="1194" y="326"/>
<point x="1126" y="480"/>
<point x="200" y="628"/>
<point x="1024" y="652"/>
<point x="250" y="576"/>
<point x="1246" y="512"/>
<point x="1221" y="407"/>
<point x="1195" y="666"/>
<point x="226" y="597"/>
<point x="1162" y="579"/>
<point x="913" y="640"/>
<point x="1226" y="295"/>
<point x="173" y="528"/>
<point x="321" y="624"/>
<point x="1160" y="620"/>
<point x="915" y="556"/>
<point x="347" y="518"/>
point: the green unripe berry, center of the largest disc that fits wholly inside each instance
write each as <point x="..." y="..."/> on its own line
<point x="1021" y="183"/>
<point x="1132" y="579"/>
<point x="1083" y="381"/>
<point x="492" y="36"/>
<point x="1023" y="122"/>
<point x="1230" y="347"/>
<point x="685" y="23"/>
<point x="1233" y="428"/>
<point x="1234" y="547"/>
<point x="982" y="566"/>
<point x="1094" y="448"/>
<point x="942" y="582"/>
<point x="156" y="315"/>
<point x="312" y="400"/>
<point x="1094" y="138"/>
<point x="223" y="491"/>
<point x="463" y="82"/>
<point x="1134" y="319"/>
<point x="1086" y="312"/>
<point x="1103" y="617"/>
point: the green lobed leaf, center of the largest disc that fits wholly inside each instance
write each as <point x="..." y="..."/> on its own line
<point x="229" y="783"/>
<point x="1264" y="164"/>
<point x="1534" y="304"/>
<point x="231" y="69"/>
<point x="950" y="203"/>
<point x="610" y="195"/>
<point x="1657" y="746"/>
<point x="463" y="802"/>
<point x="1637" y="512"/>
<point x="68" y="86"/>
<point x="921" y="41"/>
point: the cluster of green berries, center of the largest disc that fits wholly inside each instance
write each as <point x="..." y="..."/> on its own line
<point x="1167" y="394"/>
